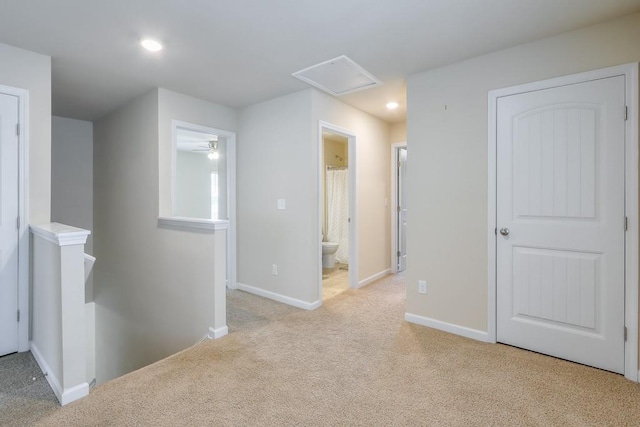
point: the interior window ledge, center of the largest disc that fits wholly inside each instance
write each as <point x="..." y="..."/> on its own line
<point x="193" y="224"/>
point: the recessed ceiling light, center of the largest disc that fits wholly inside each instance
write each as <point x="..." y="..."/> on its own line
<point x="392" y="105"/>
<point x="151" y="45"/>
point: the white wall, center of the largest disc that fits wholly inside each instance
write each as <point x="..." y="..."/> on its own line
<point x="154" y="288"/>
<point x="447" y="180"/>
<point x="373" y="176"/>
<point x="72" y="173"/>
<point x="193" y="185"/>
<point x="72" y="178"/>
<point x="276" y="160"/>
<point x="32" y="71"/>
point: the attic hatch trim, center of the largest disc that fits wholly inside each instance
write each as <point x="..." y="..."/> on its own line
<point x="329" y="68"/>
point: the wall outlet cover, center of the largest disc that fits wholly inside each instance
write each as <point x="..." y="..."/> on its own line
<point x="422" y="286"/>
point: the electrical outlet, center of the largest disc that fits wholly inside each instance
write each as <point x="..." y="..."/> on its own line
<point x="274" y="269"/>
<point x="422" y="286"/>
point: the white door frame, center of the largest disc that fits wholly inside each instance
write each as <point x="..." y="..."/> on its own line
<point x="630" y="73"/>
<point x="231" y="191"/>
<point x="394" y="204"/>
<point x="353" y="214"/>
<point x="23" y="213"/>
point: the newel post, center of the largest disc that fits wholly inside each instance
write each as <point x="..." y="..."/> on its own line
<point x="59" y="337"/>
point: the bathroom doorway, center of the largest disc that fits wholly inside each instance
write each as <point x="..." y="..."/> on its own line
<point x="338" y="271"/>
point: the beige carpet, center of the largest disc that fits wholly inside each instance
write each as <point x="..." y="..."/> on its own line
<point x="354" y="361"/>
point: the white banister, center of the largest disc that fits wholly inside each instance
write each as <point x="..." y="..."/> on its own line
<point x="60" y="323"/>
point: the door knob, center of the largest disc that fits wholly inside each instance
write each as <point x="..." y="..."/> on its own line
<point x="504" y="231"/>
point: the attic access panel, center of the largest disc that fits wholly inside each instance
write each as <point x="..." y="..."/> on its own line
<point x="338" y="76"/>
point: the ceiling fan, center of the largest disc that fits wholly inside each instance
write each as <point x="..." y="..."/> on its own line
<point x="211" y="148"/>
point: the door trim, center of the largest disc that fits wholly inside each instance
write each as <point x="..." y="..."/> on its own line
<point x="353" y="207"/>
<point x="23" y="213"/>
<point x="630" y="73"/>
<point x="394" y="203"/>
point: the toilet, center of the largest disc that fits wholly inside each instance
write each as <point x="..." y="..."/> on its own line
<point x="329" y="250"/>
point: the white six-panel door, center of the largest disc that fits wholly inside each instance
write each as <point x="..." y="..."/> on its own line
<point x="560" y="220"/>
<point x="8" y="225"/>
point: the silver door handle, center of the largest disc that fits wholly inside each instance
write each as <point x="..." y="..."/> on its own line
<point x="504" y="231"/>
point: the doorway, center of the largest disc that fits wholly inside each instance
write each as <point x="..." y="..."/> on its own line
<point x="399" y="210"/>
<point x="563" y="190"/>
<point x="14" y="236"/>
<point x="337" y="220"/>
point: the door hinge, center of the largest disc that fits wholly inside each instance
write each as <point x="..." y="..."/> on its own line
<point x="18" y="129"/>
<point x="398" y="254"/>
<point x="626" y="223"/>
<point x="625" y="333"/>
<point x="495" y="231"/>
<point x="18" y="315"/>
<point x="18" y="223"/>
<point x="399" y="209"/>
<point x="626" y="113"/>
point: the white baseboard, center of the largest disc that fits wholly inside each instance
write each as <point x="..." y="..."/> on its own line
<point x="74" y="393"/>
<point x="280" y="298"/>
<point x="447" y="327"/>
<point x="214" y="334"/>
<point x="64" y="396"/>
<point x="373" y="278"/>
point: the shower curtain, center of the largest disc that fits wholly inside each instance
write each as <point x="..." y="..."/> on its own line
<point x="337" y="194"/>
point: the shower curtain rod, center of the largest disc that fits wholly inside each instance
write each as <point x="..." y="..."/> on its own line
<point x="337" y="167"/>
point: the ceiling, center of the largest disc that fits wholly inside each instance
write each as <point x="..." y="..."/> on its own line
<point x="237" y="53"/>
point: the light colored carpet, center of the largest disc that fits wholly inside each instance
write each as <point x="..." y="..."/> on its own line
<point x="25" y="395"/>
<point x="354" y="361"/>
